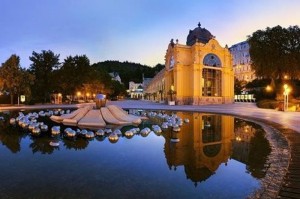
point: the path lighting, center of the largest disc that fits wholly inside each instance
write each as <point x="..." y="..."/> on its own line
<point x="238" y="138"/>
<point x="78" y="94"/>
<point x="268" y="88"/>
<point x="59" y="98"/>
<point x="286" y="92"/>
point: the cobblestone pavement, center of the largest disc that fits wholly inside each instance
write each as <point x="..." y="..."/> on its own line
<point x="283" y="176"/>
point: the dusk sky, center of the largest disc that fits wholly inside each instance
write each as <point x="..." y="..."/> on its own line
<point x="130" y="30"/>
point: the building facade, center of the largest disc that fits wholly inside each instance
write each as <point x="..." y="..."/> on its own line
<point x="199" y="72"/>
<point x="242" y="62"/>
<point x="201" y="151"/>
<point x="155" y="87"/>
<point x="135" y="90"/>
<point x="116" y="77"/>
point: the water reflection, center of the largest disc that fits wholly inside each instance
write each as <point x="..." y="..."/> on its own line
<point x="41" y="145"/>
<point x="205" y="143"/>
<point x="251" y="147"/>
<point x="211" y="140"/>
<point x="76" y="144"/>
<point x="201" y="145"/>
<point x="9" y="137"/>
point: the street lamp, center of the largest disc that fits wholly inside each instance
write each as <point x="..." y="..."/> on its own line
<point x="87" y="96"/>
<point x="268" y="88"/>
<point x="78" y="95"/>
<point x="286" y="97"/>
<point x="59" y="98"/>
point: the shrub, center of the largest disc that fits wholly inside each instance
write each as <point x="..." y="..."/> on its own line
<point x="268" y="104"/>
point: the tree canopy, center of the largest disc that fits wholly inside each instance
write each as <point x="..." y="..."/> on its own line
<point x="129" y="71"/>
<point x="15" y="79"/>
<point x="47" y="76"/>
<point x="275" y="52"/>
<point x="76" y="74"/>
<point x="42" y="67"/>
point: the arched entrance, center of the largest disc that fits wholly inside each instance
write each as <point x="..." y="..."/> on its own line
<point x="211" y="76"/>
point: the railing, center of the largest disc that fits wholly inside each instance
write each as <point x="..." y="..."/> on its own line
<point x="244" y="98"/>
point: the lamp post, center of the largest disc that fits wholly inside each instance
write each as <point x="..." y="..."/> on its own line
<point x="286" y="97"/>
<point x="87" y="96"/>
<point x="268" y="88"/>
<point x="78" y="95"/>
<point x="59" y="98"/>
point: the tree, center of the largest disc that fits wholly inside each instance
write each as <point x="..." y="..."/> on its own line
<point x="42" y="67"/>
<point x="239" y="85"/>
<point x="76" y="74"/>
<point x="117" y="89"/>
<point x="275" y="52"/>
<point x="73" y="74"/>
<point x="292" y="50"/>
<point x="129" y="71"/>
<point x="26" y="81"/>
<point x="15" y="79"/>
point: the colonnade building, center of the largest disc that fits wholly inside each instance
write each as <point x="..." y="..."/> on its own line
<point x="199" y="72"/>
<point x="242" y="62"/>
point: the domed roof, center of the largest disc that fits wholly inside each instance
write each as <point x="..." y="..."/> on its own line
<point x="198" y="34"/>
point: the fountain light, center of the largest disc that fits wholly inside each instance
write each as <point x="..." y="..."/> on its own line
<point x="55" y="130"/>
<point x="100" y="132"/>
<point x="113" y="138"/>
<point x="36" y="131"/>
<point x="12" y="121"/>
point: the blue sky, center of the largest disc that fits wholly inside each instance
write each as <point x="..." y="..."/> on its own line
<point x="130" y="30"/>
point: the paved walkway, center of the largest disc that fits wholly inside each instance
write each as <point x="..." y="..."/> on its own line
<point x="287" y="122"/>
<point x="290" y="120"/>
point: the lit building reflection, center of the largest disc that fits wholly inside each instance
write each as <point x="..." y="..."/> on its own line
<point x="201" y="145"/>
<point x="211" y="140"/>
<point x="251" y="147"/>
<point x="205" y="143"/>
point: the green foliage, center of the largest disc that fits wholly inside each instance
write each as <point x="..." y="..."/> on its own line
<point x="47" y="75"/>
<point x="258" y="83"/>
<point x="42" y="68"/>
<point x="129" y="71"/>
<point x="295" y="85"/>
<point x="267" y="104"/>
<point x="258" y="88"/>
<point x="118" y="89"/>
<point x="76" y="74"/>
<point x="238" y="86"/>
<point x="275" y="52"/>
<point x="72" y="75"/>
<point x="258" y="154"/>
<point x="14" y="79"/>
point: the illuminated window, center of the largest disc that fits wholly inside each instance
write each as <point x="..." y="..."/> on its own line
<point x="212" y="60"/>
<point x="211" y="129"/>
<point x="211" y="82"/>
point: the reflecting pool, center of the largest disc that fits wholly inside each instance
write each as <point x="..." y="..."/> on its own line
<point x="216" y="156"/>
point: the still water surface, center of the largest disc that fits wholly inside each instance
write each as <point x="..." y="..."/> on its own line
<point x="217" y="157"/>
